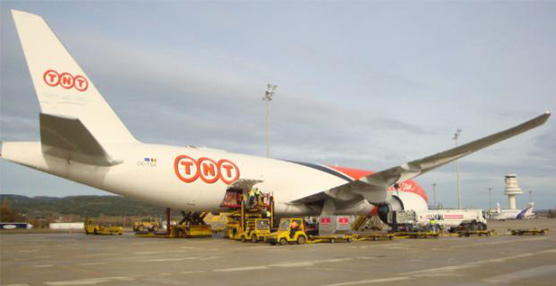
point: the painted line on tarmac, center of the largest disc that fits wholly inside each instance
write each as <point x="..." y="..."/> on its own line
<point x="248" y="268"/>
<point x="169" y="259"/>
<point x="369" y="281"/>
<point x="191" y="272"/>
<point x="443" y="271"/>
<point x="91" y="281"/>
<point x="42" y="266"/>
<point x="287" y="264"/>
<point x="495" y="243"/>
<point x="15" y="284"/>
<point x="523" y="274"/>
<point x="93" y="263"/>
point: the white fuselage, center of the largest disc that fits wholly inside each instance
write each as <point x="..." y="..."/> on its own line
<point x="150" y="173"/>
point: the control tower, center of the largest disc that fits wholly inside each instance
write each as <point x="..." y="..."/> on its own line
<point x="512" y="189"/>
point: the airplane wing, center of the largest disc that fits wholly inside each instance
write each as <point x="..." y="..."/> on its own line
<point x="374" y="187"/>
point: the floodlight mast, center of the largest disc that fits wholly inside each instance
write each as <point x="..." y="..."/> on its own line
<point x="268" y="97"/>
<point x="456" y="135"/>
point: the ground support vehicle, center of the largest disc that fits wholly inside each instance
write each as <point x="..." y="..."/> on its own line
<point x="97" y="229"/>
<point x="146" y="225"/>
<point x="533" y="231"/>
<point x="249" y="221"/>
<point x="374" y="236"/>
<point x="257" y="230"/>
<point x="468" y="233"/>
<point x="446" y="219"/>
<point x="290" y="230"/>
<point x="190" y="230"/>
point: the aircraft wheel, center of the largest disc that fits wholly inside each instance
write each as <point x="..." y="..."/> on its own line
<point x="283" y="241"/>
<point x="301" y="239"/>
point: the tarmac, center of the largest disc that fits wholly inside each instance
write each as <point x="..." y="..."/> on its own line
<point x="59" y="259"/>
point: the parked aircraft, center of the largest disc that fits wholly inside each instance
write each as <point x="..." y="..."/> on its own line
<point x="83" y="140"/>
<point x="501" y="214"/>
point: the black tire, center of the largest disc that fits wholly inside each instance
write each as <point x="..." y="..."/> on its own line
<point x="95" y="232"/>
<point x="254" y="239"/>
<point x="273" y="243"/>
<point x="283" y="241"/>
<point x="86" y="231"/>
<point x="301" y="239"/>
<point x="242" y="238"/>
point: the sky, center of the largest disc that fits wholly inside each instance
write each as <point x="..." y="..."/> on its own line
<point x="363" y="84"/>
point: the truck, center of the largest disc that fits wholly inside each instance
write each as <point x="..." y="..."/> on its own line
<point x="96" y="229"/>
<point x="447" y="219"/>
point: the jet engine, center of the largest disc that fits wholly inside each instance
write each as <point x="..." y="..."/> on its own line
<point x="401" y="201"/>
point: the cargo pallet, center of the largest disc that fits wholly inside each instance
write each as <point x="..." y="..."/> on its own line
<point x="533" y="231"/>
<point x="331" y="238"/>
<point x="375" y="236"/>
<point x="468" y="233"/>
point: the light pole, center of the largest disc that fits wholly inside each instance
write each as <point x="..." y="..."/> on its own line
<point x="434" y="194"/>
<point x="456" y="135"/>
<point x="268" y="97"/>
<point x="489" y="199"/>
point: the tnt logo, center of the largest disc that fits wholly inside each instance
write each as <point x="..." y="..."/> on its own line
<point x="65" y="80"/>
<point x="189" y="170"/>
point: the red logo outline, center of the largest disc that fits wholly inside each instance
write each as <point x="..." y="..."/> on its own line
<point x="217" y="175"/>
<point x="199" y="172"/>
<point x="60" y="83"/>
<point x="84" y="80"/>
<point x="47" y="73"/>
<point x="176" y="169"/>
<point x="220" y="170"/>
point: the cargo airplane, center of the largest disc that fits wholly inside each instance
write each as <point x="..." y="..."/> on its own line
<point x="83" y="140"/>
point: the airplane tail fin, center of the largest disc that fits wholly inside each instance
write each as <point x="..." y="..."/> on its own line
<point x="527" y="211"/>
<point x="63" y="89"/>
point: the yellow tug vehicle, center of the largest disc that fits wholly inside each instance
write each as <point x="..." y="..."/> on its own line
<point x="290" y="230"/>
<point x="96" y="229"/>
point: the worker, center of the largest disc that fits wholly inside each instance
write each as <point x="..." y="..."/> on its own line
<point x="432" y="224"/>
<point x="251" y="198"/>
<point x="294" y="226"/>
<point x="258" y="196"/>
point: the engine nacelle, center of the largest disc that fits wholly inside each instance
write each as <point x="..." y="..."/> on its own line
<point x="399" y="202"/>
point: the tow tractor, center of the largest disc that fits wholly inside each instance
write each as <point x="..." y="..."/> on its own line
<point x="97" y="229"/>
<point x="294" y="230"/>
<point x="290" y="230"/>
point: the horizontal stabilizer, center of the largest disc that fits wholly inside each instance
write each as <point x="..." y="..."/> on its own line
<point x="69" y="139"/>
